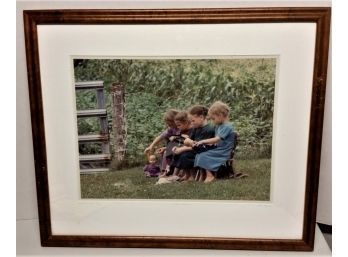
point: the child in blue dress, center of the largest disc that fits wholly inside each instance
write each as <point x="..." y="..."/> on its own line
<point x="211" y="160"/>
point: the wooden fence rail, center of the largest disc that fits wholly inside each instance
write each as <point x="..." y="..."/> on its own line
<point x="92" y="163"/>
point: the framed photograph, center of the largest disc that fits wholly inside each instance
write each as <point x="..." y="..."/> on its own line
<point x="178" y="128"/>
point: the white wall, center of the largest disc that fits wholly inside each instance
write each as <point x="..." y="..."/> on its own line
<point x="26" y="192"/>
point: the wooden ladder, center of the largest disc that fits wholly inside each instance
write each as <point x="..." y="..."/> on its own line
<point x="92" y="163"/>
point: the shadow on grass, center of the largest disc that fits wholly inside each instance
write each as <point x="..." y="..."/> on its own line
<point x="132" y="184"/>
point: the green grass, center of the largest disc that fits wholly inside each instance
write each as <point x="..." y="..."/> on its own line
<point x="132" y="184"/>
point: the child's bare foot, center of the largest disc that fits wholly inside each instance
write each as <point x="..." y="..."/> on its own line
<point x="183" y="175"/>
<point x="190" y="178"/>
<point x="184" y="178"/>
<point x="173" y="178"/>
<point x="162" y="174"/>
<point x="209" y="178"/>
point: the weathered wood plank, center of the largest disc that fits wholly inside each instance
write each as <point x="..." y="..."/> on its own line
<point x="95" y="157"/>
<point x="103" y="121"/>
<point x="101" y="105"/>
<point x="92" y="138"/>
<point x="89" y="85"/>
<point x="118" y="120"/>
<point x="100" y="98"/>
<point x="91" y="113"/>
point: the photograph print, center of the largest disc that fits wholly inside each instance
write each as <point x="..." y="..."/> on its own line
<point x="174" y="128"/>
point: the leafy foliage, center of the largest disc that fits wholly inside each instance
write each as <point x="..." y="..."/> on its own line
<point x="153" y="86"/>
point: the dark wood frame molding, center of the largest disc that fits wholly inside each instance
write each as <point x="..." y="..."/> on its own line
<point x="320" y="16"/>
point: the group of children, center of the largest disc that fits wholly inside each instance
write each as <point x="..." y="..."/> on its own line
<point x="192" y="143"/>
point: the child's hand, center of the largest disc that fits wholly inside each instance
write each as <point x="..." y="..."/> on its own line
<point x="188" y="142"/>
<point x="148" y="149"/>
<point x="184" y="136"/>
<point x="174" y="149"/>
<point x="198" y="143"/>
<point x="172" y="138"/>
<point x="160" y="150"/>
<point x="177" y="150"/>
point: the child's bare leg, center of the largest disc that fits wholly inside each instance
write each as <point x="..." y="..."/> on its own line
<point x="181" y="173"/>
<point x="162" y="174"/>
<point x="176" y="172"/>
<point x="210" y="177"/>
<point x="202" y="175"/>
<point x="191" y="175"/>
<point x="185" y="175"/>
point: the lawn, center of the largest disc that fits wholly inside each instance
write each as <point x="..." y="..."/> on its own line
<point x="132" y="184"/>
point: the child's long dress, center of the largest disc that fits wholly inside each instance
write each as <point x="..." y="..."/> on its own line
<point x="168" y="154"/>
<point x="212" y="160"/>
<point x="186" y="159"/>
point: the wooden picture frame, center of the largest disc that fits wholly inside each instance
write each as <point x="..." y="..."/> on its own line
<point x="318" y="16"/>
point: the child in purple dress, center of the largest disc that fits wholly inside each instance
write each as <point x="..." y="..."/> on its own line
<point x="168" y="136"/>
<point x="183" y="123"/>
<point x="152" y="169"/>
